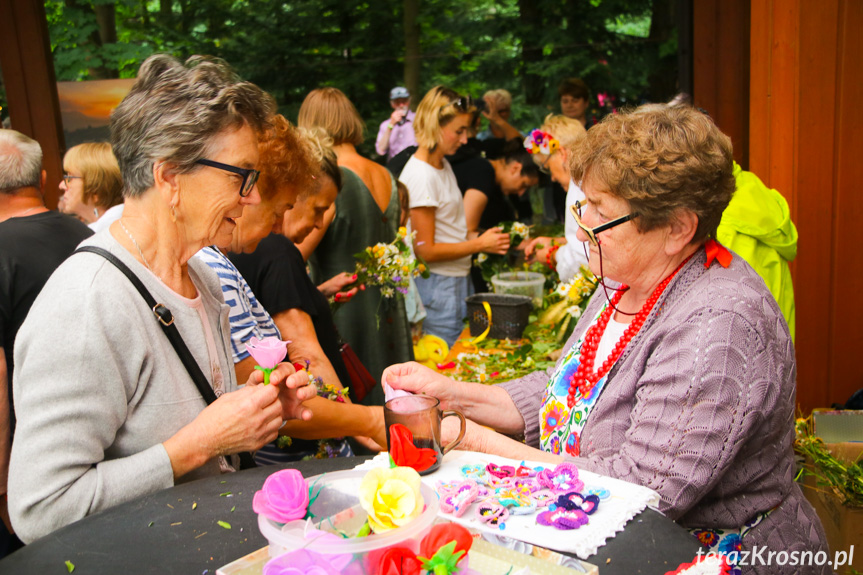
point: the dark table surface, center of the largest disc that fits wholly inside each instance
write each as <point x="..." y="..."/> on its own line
<point x="162" y="533"/>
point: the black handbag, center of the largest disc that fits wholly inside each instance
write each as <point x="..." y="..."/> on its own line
<point x="166" y="319"/>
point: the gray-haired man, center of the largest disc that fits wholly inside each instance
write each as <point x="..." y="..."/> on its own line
<point x="33" y="242"/>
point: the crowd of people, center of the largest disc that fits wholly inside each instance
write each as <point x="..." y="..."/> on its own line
<point x="680" y="375"/>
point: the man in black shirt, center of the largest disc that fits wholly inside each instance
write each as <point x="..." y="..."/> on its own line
<point x="33" y="242"/>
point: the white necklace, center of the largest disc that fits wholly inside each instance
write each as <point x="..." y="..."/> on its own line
<point x="140" y="253"/>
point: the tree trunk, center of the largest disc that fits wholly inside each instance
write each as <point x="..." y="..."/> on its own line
<point x="529" y="17"/>
<point x="165" y="12"/>
<point x="662" y="82"/>
<point x="412" y="50"/>
<point x="106" y="18"/>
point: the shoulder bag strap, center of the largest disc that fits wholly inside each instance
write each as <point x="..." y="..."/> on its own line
<point x="166" y="320"/>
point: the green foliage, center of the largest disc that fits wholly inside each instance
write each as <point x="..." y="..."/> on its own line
<point x="289" y="47"/>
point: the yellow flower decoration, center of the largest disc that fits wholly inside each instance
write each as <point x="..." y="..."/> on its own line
<point x="391" y="497"/>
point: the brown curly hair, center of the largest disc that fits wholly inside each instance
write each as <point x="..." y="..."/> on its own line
<point x="285" y="160"/>
<point x="660" y="159"/>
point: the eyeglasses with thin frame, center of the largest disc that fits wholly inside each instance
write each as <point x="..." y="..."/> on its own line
<point x="543" y="167"/>
<point x="591" y="232"/>
<point x="250" y="177"/>
<point x="68" y="178"/>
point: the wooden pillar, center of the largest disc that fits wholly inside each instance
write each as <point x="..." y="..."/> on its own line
<point x="721" y="67"/>
<point x="31" y="88"/>
<point x="805" y="142"/>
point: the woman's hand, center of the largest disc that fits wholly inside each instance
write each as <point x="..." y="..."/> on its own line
<point x="493" y="241"/>
<point x="474" y="434"/>
<point x="293" y="387"/>
<point x="377" y="438"/>
<point x="417" y="378"/>
<point x="242" y="420"/>
<point x="333" y="287"/>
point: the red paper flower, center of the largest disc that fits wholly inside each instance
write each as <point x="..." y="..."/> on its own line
<point x="405" y="453"/>
<point x="395" y="561"/>
<point x="443" y="533"/>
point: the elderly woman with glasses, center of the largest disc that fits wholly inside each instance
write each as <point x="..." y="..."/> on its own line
<point x="437" y="212"/>
<point x="680" y="375"/>
<point x="91" y="188"/>
<point x="107" y="411"/>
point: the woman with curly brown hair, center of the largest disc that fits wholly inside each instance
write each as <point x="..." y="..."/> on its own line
<point x="680" y="375"/>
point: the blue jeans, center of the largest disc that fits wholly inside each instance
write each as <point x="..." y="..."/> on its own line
<point x="443" y="298"/>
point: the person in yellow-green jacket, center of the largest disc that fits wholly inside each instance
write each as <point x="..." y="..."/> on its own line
<point x="757" y="226"/>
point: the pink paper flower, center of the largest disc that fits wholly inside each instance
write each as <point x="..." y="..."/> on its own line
<point x="284" y="496"/>
<point x="301" y="562"/>
<point x="267" y="352"/>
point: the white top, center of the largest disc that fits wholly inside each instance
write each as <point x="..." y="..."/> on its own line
<point x="571" y="256"/>
<point x="110" y="216"/>
<point x="438" y="189"/>
<point x="612" y="334"/>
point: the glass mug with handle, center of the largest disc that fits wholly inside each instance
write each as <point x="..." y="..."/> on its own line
<point x="421" y="416"/>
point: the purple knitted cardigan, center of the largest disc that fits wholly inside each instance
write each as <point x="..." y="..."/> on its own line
<point x="700" y="408"/>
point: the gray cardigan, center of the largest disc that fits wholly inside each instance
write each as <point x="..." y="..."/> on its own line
<point x="700" y="407"/>
<point x="98" y="388"/>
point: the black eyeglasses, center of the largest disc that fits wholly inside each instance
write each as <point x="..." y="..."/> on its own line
<point x="543" y="167"/>
<point x="591" y="232"/>
<point x="250" y="177"/>
<point x="68" y="179"/>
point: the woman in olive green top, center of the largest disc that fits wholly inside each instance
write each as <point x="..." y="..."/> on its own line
<point x="366" y="212"/>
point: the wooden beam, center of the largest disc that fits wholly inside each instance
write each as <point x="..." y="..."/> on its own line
<point x="31" y="87"/>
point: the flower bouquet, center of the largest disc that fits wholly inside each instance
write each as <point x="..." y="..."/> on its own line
<point x="357" y="522"/>
<point x="493" y="264"/>
<point x="390" y="266"/>
<point x="569" y="301"/>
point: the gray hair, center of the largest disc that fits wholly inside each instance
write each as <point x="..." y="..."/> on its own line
<point x="173" y="113"/>
<point x="20" y="161"/>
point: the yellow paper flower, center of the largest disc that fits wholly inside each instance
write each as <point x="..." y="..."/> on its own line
<point x="391" y="497"/>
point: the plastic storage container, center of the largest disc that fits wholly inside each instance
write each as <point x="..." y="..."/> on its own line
<point x="338" y="507"/>
<point x="520" y="283"/>
<point x="509" y="314"/>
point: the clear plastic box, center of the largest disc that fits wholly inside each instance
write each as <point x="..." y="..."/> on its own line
<point x="520" y="283"/>
<point x="337" y="508"/>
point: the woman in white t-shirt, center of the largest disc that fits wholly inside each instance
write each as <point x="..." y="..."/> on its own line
<point x="437" y="212"/>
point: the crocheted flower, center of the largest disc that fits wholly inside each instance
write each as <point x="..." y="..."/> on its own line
<point x="553" y="416"/>
<point x="284" y="496"/>
<point x="706" y="537"/>
<point x="561" y="479"/>
<point x="301" y="562"/>
<point x="571" y="445"/>
<point x="391" y="497"/>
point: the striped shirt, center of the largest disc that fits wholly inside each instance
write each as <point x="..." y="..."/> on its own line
<point x="247" y="316"/>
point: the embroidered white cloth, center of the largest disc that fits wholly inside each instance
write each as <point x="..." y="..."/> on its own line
<point x="625" y="501"/>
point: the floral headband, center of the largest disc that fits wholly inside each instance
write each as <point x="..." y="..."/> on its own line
<point x="539" y="142"/>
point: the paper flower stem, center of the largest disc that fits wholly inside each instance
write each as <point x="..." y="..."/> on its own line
<point x="267" y="371"/>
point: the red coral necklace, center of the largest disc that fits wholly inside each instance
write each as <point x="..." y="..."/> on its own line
<point x="585" y="379"/>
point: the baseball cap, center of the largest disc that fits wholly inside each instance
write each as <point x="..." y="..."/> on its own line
<point x="399" y="92"/>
